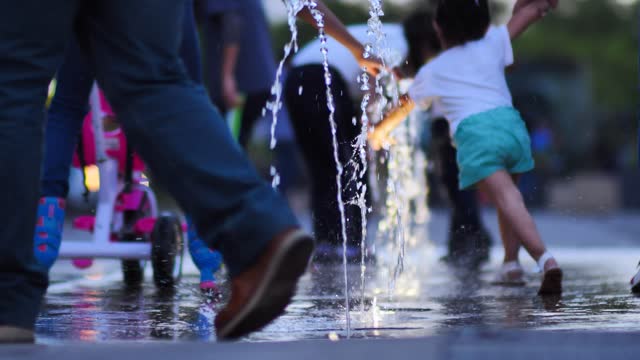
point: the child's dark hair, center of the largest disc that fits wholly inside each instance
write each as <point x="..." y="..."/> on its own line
<point x="421" y="38"/>
<point x="461" y="21"/>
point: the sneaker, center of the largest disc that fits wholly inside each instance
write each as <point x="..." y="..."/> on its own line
<point x="635" y="282"/>
<point x="208" y="261"/>
<point x="262" y="292"/>
<point x="12" y="334"/>
<point x="48" y="236"/>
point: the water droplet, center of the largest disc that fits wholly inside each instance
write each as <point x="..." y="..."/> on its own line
<point x="368" y="49"/>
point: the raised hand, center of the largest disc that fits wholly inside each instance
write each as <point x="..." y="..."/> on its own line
<point x="373" y="65"/>
<point x="523" y="3"/>
<point x="377" y="138"/>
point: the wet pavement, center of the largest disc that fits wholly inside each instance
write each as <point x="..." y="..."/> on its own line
<point x="598" y="253"/>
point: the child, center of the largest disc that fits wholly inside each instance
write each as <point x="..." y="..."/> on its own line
<point x="467" y="81"/>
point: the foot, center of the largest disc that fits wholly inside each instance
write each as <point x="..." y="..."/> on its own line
<point x="510" y="274"/>
<point x="12" y="334"/>
<point x="262" y="292"/>
<point x="552" y="275"/>
<point x="635" y="282"/>
<point x="208" y="261"/>
<point x="48" y="234"/>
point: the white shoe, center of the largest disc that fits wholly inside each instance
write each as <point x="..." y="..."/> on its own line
<point x="511" y="274"/>
<point x="635" y="282"/>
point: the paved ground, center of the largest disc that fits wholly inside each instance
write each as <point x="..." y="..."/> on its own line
<point x="459" y="345"/>
<point x="429" y="298"/>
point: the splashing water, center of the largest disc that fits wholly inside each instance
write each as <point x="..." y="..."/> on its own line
<point x="405" y="176"/>
<point x="374" y="31"/>
<point x="406" y="211"/>
<point x="396" y="213"/>
<point x="405" y="185"/>
<point x="319" y="18"/>
<point x="293" y="7"/>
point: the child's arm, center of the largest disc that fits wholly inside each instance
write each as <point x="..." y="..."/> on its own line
<point x="391" y="120"/>
<point x="522" y="3"/>
<point x="526" y="13"/>
<point x="336" y="29"/>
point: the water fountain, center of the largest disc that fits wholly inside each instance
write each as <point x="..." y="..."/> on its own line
<point x="318" y="16"/>
<point x="396" y="224"/>
<point x="274" y="106"/>
<point x="293" y="7"/>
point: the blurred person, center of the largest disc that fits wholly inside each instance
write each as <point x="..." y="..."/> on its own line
<point x="240" y="69"/>
<point x="239" y="63"/>
<point x="468" y="81"/>
<point x="469" y="242"/>
<point x="133" y="48"/>
<point x="305" y="95"/>
<point x="64" y="122"/>
<point x="416" y="42"/>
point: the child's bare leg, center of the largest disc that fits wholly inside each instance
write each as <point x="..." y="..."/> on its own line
<point x="507" y="198"/>
<point x="511" y="273"/>
<point x="509" y="239"/>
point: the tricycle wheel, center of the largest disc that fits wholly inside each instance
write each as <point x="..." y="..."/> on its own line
<point x="167" y="249"/>
<point x="132" y="272"/>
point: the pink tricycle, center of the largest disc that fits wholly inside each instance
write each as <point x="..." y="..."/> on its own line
<point x="126" y="224"/>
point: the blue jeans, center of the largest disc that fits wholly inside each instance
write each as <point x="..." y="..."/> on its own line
<point x="70" y="104"/>
<point x="133" y="48"/>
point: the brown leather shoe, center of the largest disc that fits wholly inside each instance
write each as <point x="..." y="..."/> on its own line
<point x="12" y="334"/>
<point x="261" y="293"/>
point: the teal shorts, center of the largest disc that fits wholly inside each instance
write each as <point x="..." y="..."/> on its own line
<point x="491" y="141"/>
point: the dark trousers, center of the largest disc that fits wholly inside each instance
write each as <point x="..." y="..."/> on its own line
<point x="133" y="47"/>
<point x="309" y="118"/>
<point x="251" y="112"/>
<point x="467" y="236"/>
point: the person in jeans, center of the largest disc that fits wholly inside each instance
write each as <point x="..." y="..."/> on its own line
<point x="65" y="116"/>
<point x="133" y="48"/>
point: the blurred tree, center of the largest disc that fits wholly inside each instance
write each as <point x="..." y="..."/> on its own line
<point x="600" y="34"/>
<point x="357" y="13"/>
<point x="597" y="35"/>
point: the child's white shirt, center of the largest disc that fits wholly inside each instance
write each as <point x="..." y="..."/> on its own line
<point x="467" y="79"/>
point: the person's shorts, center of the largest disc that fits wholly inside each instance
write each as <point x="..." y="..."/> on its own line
<point x="491" y="141"/>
